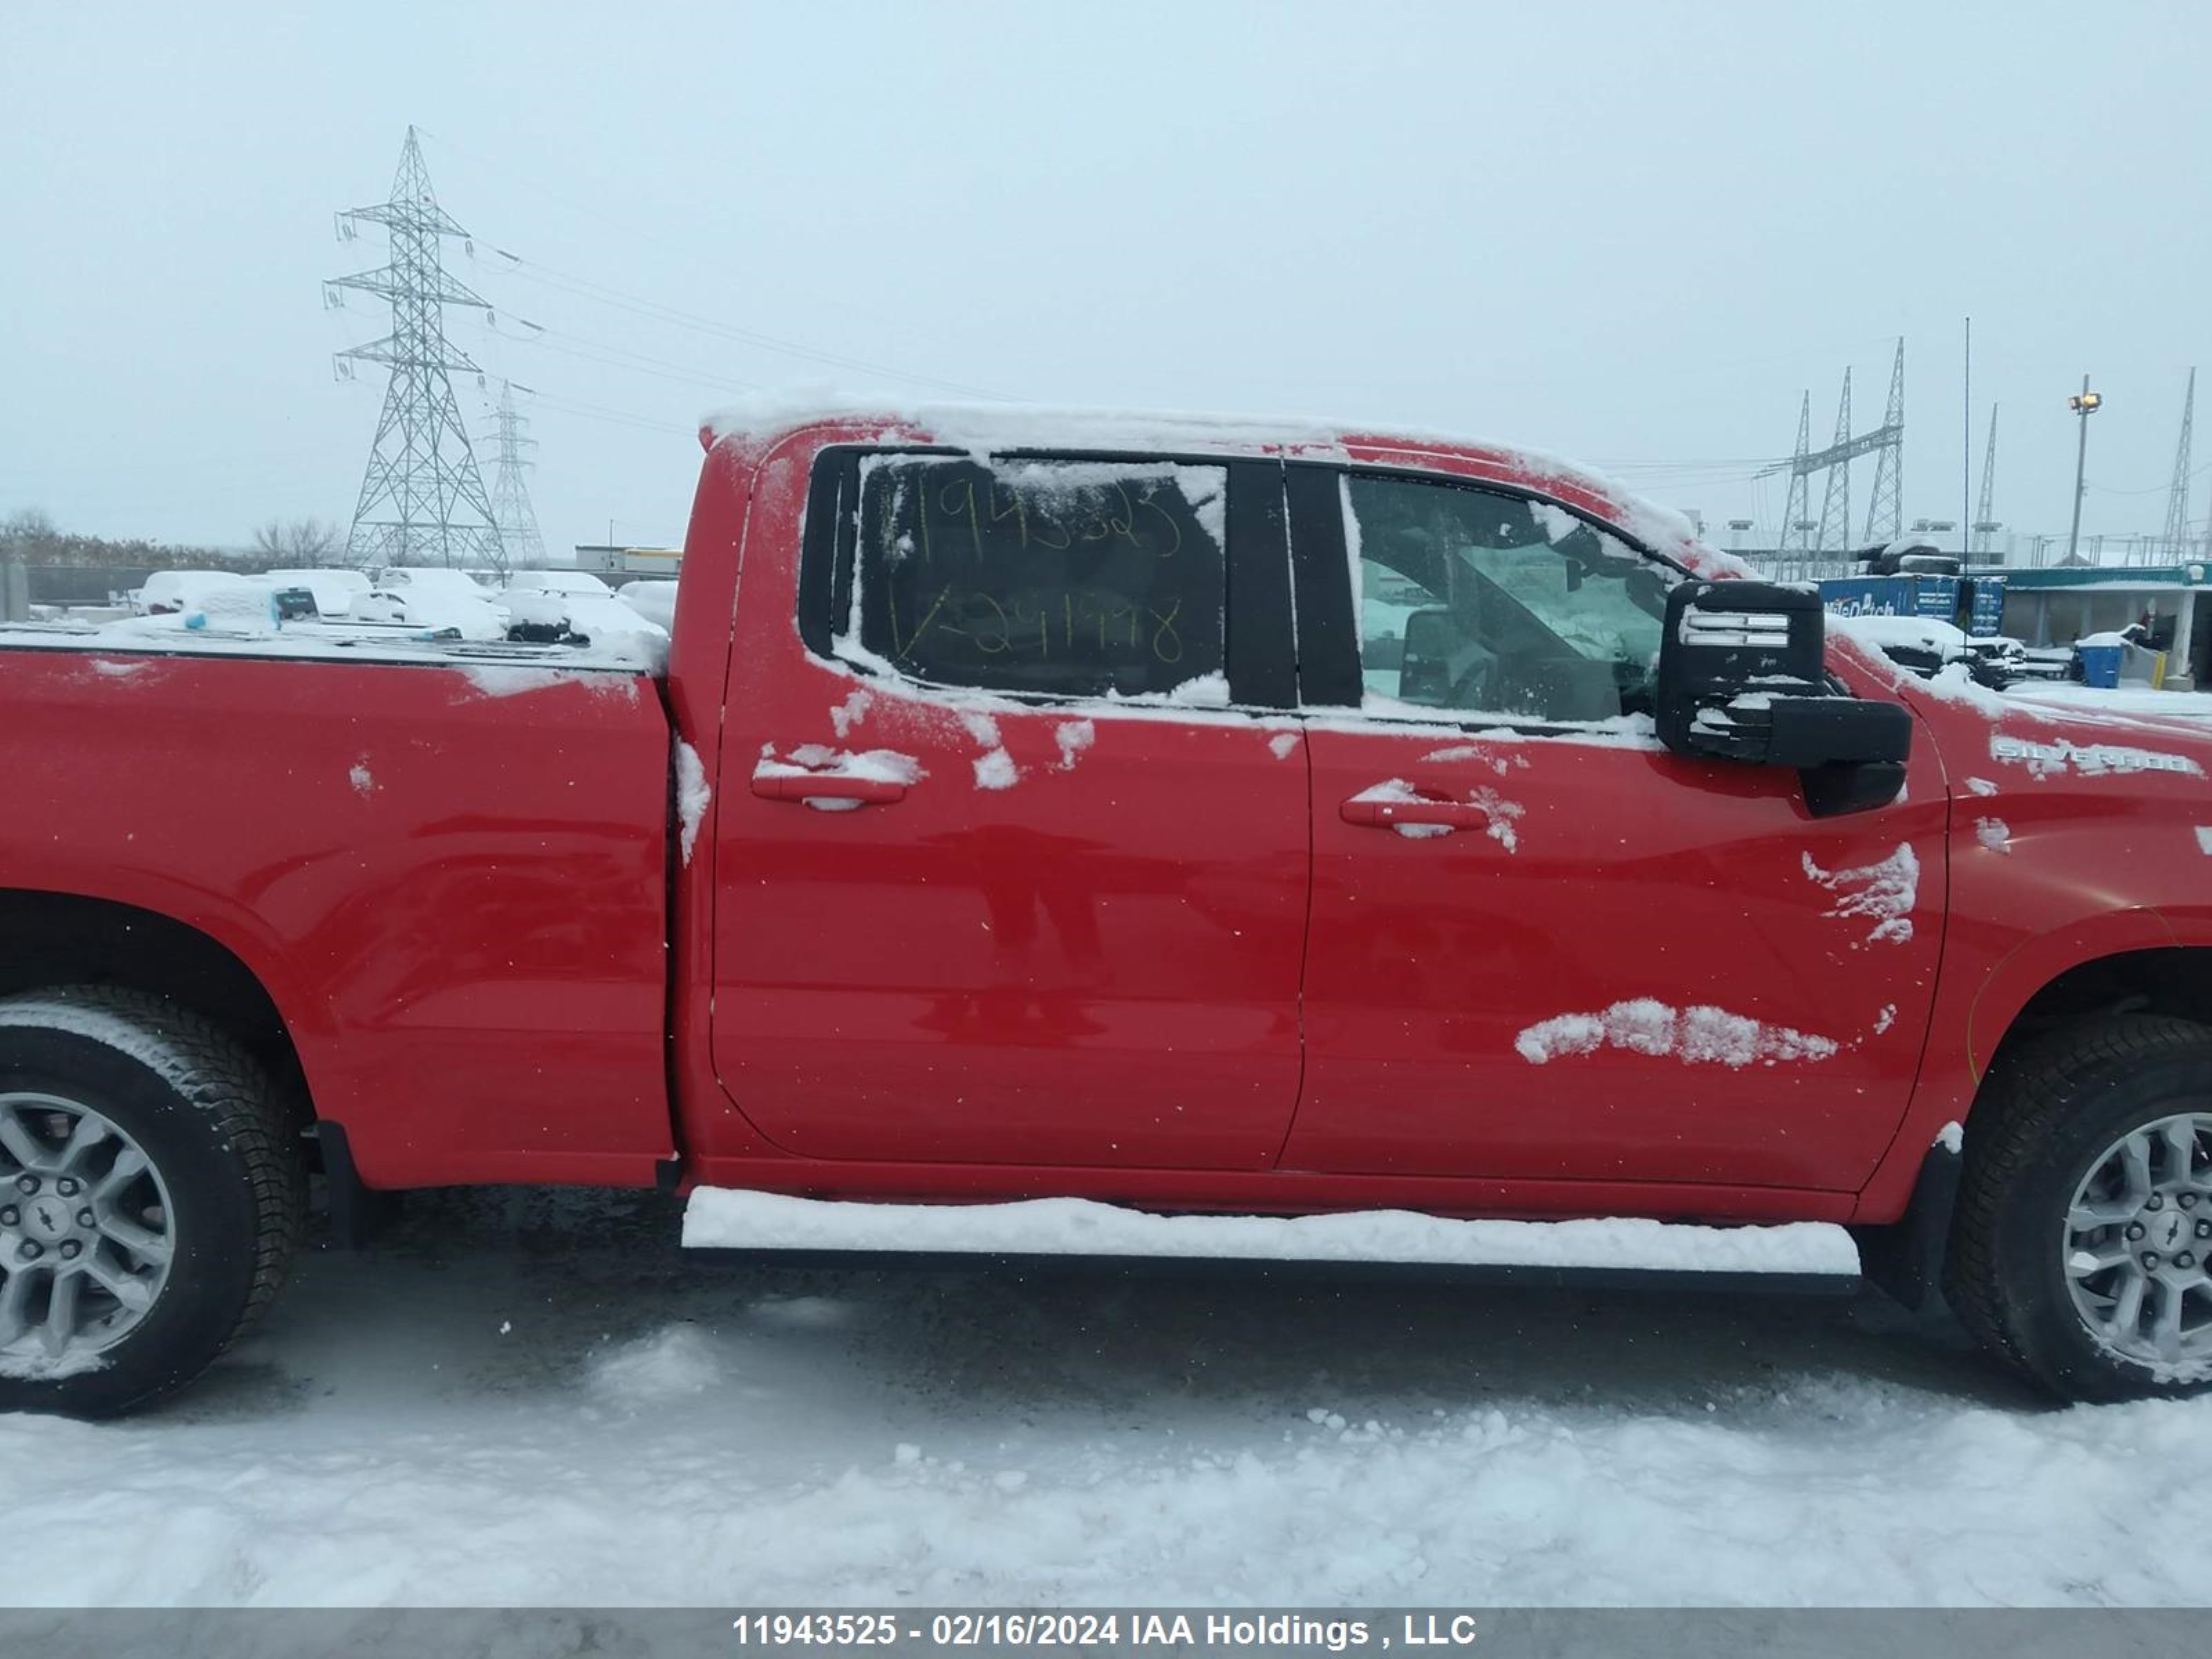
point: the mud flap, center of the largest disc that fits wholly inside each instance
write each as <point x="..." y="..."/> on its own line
<point x="1904" y="1260"/>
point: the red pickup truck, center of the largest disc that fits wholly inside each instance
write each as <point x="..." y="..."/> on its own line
<point x="1201" y="819"/>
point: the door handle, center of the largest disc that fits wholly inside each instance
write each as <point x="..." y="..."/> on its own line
<point x="1373" y="814"/>
<point x="810" y="787"/>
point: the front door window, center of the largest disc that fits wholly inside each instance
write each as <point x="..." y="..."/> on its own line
<point x="1483" y="602"/>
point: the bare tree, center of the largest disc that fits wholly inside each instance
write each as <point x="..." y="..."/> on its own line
<point x="26" y="531"/>
<point x="300" y="542"/>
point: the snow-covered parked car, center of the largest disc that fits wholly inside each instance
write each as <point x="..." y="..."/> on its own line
<point x="179" y="593"/>
<point x="335" y="591"/>
<point x="556" y="581"/>
<point x="434" y="610"/>
<point x="580" y="618"/>
<point x="1050" y="879"/>
<point x="1928" y="646"/>
<point x="2005" y="655"/>
<point x="655" y="601"/>
<point x="436" y="601"/>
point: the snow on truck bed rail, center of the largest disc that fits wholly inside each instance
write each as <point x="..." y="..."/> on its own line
<point x="718" y="1218"/>
<point x="500" y="666"/>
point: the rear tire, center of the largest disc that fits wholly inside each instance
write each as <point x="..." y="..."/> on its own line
<point x="2078" y="1249"/>
<point x="143" y="1157"/>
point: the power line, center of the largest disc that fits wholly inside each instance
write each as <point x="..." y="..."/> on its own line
<point x="2197" y="471"/>
<point x="597" y="293"/>
<point x="543" y="339"/>
<point x="612" y="416"/>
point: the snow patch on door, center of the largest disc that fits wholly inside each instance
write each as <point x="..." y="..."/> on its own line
<point x="1698" y="1036"/>
<point x="1994" y="834"/>
<point x="1884" y="893"/>
<point x="844" y="716"/>
<point x="362" y="779"/>
<point x="1074" y="736"/>
<point x="1469" y="751"/>
<point x="994" y="768"/>
<point x="1283" y="744"/>
<point x="1502" y="815"/>
<point x="692" y="795"/>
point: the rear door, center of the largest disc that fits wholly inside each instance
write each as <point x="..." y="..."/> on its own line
<point x="1012" y="860"/>
<point x="1543" y="947"/>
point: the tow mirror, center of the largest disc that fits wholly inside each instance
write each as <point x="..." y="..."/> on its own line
<point x="1742" y="679"/>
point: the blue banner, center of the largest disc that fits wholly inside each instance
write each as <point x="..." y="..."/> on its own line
<point x="1872" y="596"/>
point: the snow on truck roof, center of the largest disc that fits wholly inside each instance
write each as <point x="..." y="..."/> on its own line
<point x="993" y="428"/>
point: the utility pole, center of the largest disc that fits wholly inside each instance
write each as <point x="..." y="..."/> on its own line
<point x="423" y="501"/>
<point x="2084" y="405"/>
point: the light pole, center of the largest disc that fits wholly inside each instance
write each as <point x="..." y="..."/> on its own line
<point x="2085" y="405"/>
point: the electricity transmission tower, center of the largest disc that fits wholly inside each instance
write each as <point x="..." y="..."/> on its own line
<point x="1986" y="524"/>
<point x="2177" y="499"/>
<point x="1885" y="512"/>
<point x="1836" y="503"/>
<point x="1884" y="518"/>
<point x="522" y="547"/>
<point x="1794" y="522"/>
<point x="423" y="501"/>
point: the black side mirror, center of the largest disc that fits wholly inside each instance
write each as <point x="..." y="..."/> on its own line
<point x="1741" y="678"/>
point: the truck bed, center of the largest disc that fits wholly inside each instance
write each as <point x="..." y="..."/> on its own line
<point x="447" y="864"/>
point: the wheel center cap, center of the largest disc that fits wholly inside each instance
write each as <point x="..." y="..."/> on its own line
<point x="48" y="1219"/>
<point x="2164" y="1229"/>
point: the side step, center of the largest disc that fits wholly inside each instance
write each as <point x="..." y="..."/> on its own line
<point x="1797" y="1256"/>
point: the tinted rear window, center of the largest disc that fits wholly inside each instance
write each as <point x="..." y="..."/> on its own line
<point x="1066" y="577"/>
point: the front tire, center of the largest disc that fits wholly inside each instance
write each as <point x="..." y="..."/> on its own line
<point x="2079" y="1250"/>
<point x="152" y="1194"/>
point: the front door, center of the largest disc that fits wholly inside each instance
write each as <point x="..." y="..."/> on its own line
<point x="1012" y="862"/>
<point x="1543" y="947"/>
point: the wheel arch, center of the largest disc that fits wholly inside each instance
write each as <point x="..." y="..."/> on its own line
<point x="2174" y="979"/>
<point x="2132" y="960"/>
<point x="50" y="939"/>
<point x="1903" y="1250"/>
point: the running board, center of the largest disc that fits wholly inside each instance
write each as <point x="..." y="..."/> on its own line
<point x="1800" y="1255"/>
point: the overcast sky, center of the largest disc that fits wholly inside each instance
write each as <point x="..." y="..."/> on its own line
<point x="1634" y="233"/>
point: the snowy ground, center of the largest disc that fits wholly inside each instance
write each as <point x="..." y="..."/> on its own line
<point x="532" y="1399"/>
